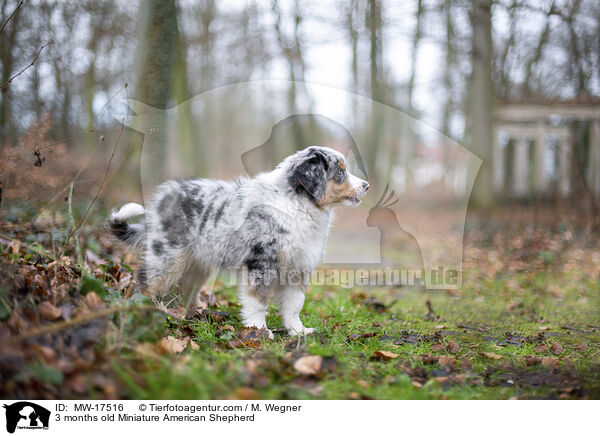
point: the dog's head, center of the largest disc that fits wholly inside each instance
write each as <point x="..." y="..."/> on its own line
<point x="321" y="174"/>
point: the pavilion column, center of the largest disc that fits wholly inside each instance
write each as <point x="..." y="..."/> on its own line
<point x="498" y="168"/>
<point x="565" y="152"/>
<point x="521" y="167"/>
<point x="539" y="179"/>
<point x="594" y="157"/>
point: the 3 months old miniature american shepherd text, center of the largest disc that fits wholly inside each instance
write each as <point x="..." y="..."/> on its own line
<point x="271" y="224"/>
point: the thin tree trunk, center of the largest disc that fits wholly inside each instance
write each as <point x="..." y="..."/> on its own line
<point x="155" y="88"/>
<point x="7" y="45"/>
<point x="374" y="26"/>
<point x="527" y="88"/>
<point x="481" y="101"/>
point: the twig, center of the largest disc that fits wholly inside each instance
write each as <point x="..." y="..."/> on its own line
<point x="39" y="250"/>
<point x="75" y="229"/>
<point x="72" y="223"/>
<point x="53" y="328"/>
<point x="11" y="15"/>
<point x="8" y="82"/>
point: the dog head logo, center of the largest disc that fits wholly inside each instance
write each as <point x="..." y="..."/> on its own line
<point x="26" y="415"/>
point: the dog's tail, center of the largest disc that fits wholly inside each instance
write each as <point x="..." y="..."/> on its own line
<point x="132" y="234"/>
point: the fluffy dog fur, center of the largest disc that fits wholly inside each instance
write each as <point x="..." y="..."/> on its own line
<point x="271" y="225"/>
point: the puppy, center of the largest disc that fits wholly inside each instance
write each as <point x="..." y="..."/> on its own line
<point x="272" y="226"/>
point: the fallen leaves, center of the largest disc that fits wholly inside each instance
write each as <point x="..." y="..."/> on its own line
<point x="248" y="337"/>
<point x="492" y="355"/>
<point x="93" y="301"/>
<point x="48" y="311"/>
<point x="309" y="365"/>
<point x="209" y="315"/>
<point x="313" y="365"/>
<point x="384" y="355"/>
<point x="358" y="336"/>
<point x="175" y="345"/>
<point x="550" y="362"/>
<point x="452" y="347"/>
<point x="370" y="302"/>
<point x="246" y="394"/>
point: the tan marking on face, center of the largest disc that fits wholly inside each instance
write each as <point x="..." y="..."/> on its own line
<point x="337" y="192"/>
<point x="342" y="164"/>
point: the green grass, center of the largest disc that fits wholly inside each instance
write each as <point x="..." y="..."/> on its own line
<point x="477" y="321"/>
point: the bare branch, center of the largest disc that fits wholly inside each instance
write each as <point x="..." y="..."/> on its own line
<point x="8" y="82"/>
<point x="11" y="16"/>
<point x="58" y="326"/>
<point x="87" y="211"/>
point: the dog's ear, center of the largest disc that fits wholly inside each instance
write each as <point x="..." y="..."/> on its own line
<point x="310" y="175"/>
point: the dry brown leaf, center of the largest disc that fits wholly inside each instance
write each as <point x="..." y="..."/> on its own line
<point x="176" y="312"/>
<point x="492" y="355"/>
<point x="125" y="281"/>
<point x="251" y="366"/>
<point x="93" y="301"/>
<point x="173" y="344"/>
<point x="363" y="384"/>
<point x="78" y="383"/>
<point x="531" y="361"/>
<point x="245" y="393"/>
<point x="47" y="353"/>
<point x="453" y="347"/>
<point x="550" y="362"/>
<point x="447" y="361"/>
<point x="385" y="355"/>
<point x="48" y="311"/>
<point x="437" y="347"/>
<point x="540" y="348"/>
<point x="309" y="365"/>
<point x="581" y="346"/>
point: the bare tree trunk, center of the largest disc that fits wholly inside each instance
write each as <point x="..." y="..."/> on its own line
<point x="185" y="124"/>
<point x="527" y="88"/>
<point x="577" y="58"/>
<point x="450" y="62"/>
<point x="7" y="45"/>
<point x="158" y="53"/>
<point x="354" y="35"/>
<point x="408" y="139"/>
<point x="503" y="80"/>
<point x="374" y="26"/>
<point x="481" y="101"/>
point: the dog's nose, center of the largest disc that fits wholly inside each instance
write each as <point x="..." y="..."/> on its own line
<point x="365" y="186"/>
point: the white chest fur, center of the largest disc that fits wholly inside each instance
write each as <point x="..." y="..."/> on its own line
<point x="302" y="248"/>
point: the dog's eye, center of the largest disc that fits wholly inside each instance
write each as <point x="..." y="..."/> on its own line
<point x="340" y="172"/>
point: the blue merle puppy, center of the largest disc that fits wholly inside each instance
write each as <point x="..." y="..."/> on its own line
<point x="270" y="226"/>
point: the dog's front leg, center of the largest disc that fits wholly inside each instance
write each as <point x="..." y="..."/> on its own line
<point x="254" y="307"/>
<point x="290" y="300"/>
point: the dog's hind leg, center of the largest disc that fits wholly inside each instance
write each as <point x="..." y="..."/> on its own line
<point x="162" y="275"/>
<point x="191" y="283"/>
<point x="290" y="300"/>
